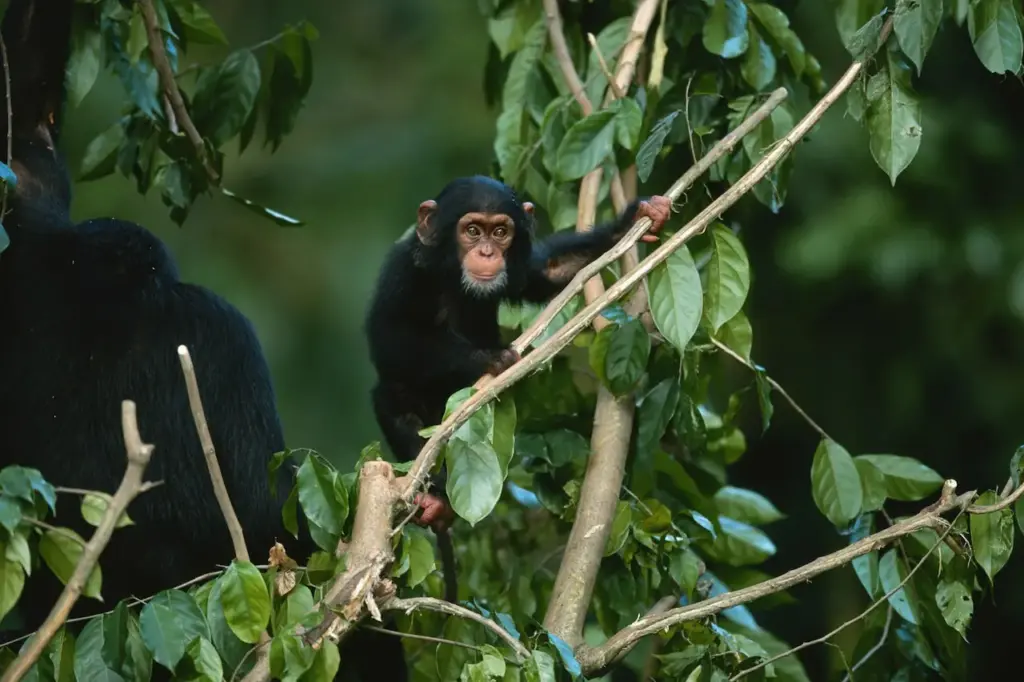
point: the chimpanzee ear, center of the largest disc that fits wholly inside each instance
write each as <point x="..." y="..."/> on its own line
<point x="37" y="35"/>
<point x="528" y="207"/>
<point x="425" y="231"/>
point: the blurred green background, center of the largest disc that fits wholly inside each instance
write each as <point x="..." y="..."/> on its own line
<point x="893" y="315"/>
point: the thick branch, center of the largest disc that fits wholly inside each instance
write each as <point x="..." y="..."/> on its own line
<point x="131" y="485"/>
<point x="547" y="350"/>
<point x="220" y="490"/>
<point x="170" y="86"/>
<point x="599" y="658"/>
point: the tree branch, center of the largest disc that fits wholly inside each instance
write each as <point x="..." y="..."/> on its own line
<point x="220" y="490"/>
<point x="596" y="659"/>
<point x="170" y="86"/>
<point x="442" y="606"/>
<point x="131" y="484"/>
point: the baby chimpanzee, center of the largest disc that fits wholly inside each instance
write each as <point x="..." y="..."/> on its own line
<point x="433" y="324"/>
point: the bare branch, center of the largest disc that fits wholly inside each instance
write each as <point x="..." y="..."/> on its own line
<point x="594" y="660"/>
<point x="616" y="90"/>
<point x="170" y="86"/>
<point x="442" y="606"/>
<point x="859" y="617"/>
<point x="1000" y="505"/>
<point x="131" y="484"/>
<point x="774" y="384"/>
<point x="220" y="490"/>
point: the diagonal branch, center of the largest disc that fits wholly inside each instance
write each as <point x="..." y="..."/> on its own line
<point x="131" y="485"/>
<point x="170" y="86"/>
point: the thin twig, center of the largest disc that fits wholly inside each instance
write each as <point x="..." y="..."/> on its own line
<point x="616" y="90"/>
<point x="1000" y="505"/>
<point x="442" y="606"/>
<point x="859" y="617"/>
<point x="875" y="649"/>
<point x="220" y="490"/>
<point x="10" y="122"/>
<point x="774" y="384"/>
<point x="138" y="454"/>
<point x="560" y="339"/>
<point x="170" y="87"/>
<point x="423" y="638"/>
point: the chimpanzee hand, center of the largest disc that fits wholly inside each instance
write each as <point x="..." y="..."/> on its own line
<point x="436" y="512"/>
<point x="502" y="360"/>
<point x="658" y="209"/>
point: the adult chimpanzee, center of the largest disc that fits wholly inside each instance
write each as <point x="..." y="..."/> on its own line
<point x="433" y="323"/>
<point x="92" y="314"/>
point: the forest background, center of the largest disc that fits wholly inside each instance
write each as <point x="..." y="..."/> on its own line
<point x="893" y="315"/>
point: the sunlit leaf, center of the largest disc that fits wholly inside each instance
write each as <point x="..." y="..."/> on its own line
<point x="740" y="544"/>
<point x="94" y="506"/>
<point x="725" y="30"/>
<point x="759" y="65"/>
<point x="61" y="549"/>
<point x="728" y="277"/>
<point x="474" y="479"/>
<point x="906" y="479"/>
<point x="245" y="600"/>
<point x="738" y="335"/>
<point x="746" y="506"/>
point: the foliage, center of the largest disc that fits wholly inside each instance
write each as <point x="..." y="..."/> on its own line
<point x="516" y="468"/>
<point x="229" y="99"/>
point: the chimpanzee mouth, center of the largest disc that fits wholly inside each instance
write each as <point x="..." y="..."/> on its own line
<point x="476" y="285"/>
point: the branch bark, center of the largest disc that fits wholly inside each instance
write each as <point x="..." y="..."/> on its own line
<point x="170" y="86"/>
<point x="131" y="485"/>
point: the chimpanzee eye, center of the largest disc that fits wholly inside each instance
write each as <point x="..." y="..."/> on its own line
<point x="473" y="231"/>
<point x="499" y="232"/>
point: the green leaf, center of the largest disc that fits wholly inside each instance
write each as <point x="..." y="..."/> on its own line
<point x="325" y="664"/>
<point x="685" y="568"/>
<point x="225" y="95"/>
<point x="906" y="479"/>
<point x="738" y="335"/>
<point x="835" y="483"/>
<point x="586" y="145"/>
<point x="61" y="549"/>
<point x="725" y="31"/>
<point x="297" y="609"/>
<point x="996" y="34"/>
<point x="676" y="298"/>
<point x="137" y="39"/>
<point x="474" y="479"/>
<point x="620" y="528"/>
<point x="893" y="117"/>
<point x="12" y="581"/>
<point x="628" y="121"/>
<point x="746" y="506"/>
<point x="289" y="657"/>
<point x="94" y="506"/>
<point x="955" y="602"/>
<point x="110" y="647"/>
<point x="764" y="397"/>
<point x="872" y="482"/>
<point x="231" y="649"/>
<point x="421" y="556"/>
<point x="866" y="565"/>
<point x="201" y="663"/>
<point x="17" y="550"/>
<point x="992" y="536"/>
<point x="759" y="65"/>
<point x="5" y="239"/>
<point x="276" y="216"/>
<point x="728" y="277"/>
<point x="26" y="483"/>
<point x="169" y="622"/>
<point x="867" y="39"/>
<point x="625" y="362"/>
<point x="1019" y="510"/>
<point x="916" y="23"/>
<point x="610" y="40"/>
<point x="199" y="25"/>
<point x="891" y="572"/>
<point x="245" y="600"/>
<point x="649" y="150"/>
<point x="740" y="544"/>
<point x="100" y="157"/>
<point x="776" y="25"/>
<point x="655" y="414"/>
<point x="323" y="497"/>
<point x="84" y="63"/>
<point x="503" y="432"/>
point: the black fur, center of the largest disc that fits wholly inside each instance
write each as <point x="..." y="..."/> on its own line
<point x="92" y="314"/>
<point x="428" y="338"/>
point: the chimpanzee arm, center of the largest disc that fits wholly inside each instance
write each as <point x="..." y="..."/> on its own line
<point x="557" y="259"/>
